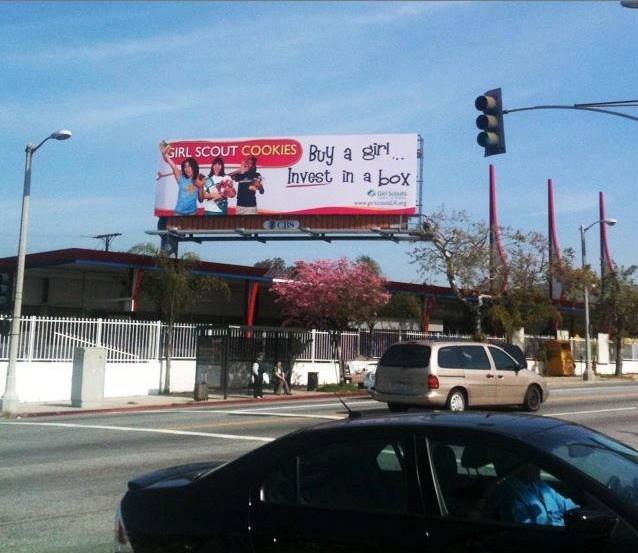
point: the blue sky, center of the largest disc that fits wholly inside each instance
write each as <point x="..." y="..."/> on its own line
<point x="124" y="75"/>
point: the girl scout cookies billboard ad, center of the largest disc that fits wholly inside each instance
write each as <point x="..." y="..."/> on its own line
<point x="313" y="175"/>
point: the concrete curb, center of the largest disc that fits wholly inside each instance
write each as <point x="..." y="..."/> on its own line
<point x="160" y="402"/>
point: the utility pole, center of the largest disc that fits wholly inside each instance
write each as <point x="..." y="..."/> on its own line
<point x="107" y="239"/>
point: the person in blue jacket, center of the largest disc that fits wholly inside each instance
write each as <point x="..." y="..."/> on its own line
<point x="189" y="182"/>
<point x="522" y="496"/>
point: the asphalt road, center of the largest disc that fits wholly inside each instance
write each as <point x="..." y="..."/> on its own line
<point x="62" y="477"/>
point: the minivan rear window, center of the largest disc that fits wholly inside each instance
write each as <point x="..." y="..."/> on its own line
<point x="463" y="357"/>
<point x="409" y="356"/>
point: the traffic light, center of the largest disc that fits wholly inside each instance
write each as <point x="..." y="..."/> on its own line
<point x="492" y="137"/>
<point x="6" y="291"/>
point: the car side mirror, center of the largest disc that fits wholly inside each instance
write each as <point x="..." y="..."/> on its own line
<point x="590" y="523"/>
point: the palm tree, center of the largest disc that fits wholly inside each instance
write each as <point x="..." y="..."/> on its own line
<point x="173" y="287"/>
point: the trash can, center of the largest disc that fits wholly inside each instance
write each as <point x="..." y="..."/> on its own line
<point x="201" y="391"/>
<point x="313" y="382"/>
<point x="560" y="361"/>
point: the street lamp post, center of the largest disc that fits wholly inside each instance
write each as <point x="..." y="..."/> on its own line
<point x="588" y="374"/>
<point x="10" y="400"/>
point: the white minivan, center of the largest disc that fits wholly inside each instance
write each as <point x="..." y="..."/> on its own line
<point x="455" y="375"/>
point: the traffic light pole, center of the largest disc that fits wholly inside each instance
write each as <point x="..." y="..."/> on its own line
<point x="599" y="107"/>
<point x="492" y="137"/>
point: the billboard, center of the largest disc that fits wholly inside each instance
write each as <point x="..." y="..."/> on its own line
<point x="298" y="175"/>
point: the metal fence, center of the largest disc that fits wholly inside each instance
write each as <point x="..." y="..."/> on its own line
<point x="55" y="339"/>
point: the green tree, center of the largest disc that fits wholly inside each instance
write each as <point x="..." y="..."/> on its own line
<point x="452" y="245"/>
<point x="616" y="308"/>
<point x="173" y="287"/>
<point x="572" y="277"/>
<point x="524" y="301"/>
<point x="372" y="264"/>
<point x="406" y="307"/>
<point x="144" y="248"/>
<point x="276" y="267"/>
<point x="374" y="267"/>
<point x="512" y="289"/>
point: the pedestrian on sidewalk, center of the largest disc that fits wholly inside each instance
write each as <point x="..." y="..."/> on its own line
<point x="280" y="375"/>
<point x="259" y="367"/>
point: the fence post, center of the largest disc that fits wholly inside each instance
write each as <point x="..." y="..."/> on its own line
<point x="313" y="346"/>
<point x="32" y="329"/>
<point x="158" y="341"/>
<point x="225" y="355"/>
<point x="98" y="332"/>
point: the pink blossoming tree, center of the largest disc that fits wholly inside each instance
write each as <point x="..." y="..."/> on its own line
<point x="333" y="296"/>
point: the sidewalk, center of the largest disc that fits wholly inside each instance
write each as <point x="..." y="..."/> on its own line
<point x="186" y="400"/>
<point x="163" y="401"/>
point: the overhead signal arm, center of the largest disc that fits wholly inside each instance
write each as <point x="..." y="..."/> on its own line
<point x="492" y="135"/>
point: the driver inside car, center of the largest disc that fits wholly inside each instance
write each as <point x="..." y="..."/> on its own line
<point x="522" y="496"/>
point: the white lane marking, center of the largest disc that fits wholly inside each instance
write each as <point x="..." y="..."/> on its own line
<point x="271" y="411"/>
<point x="291" y="407"/>
<point x="151" y="430"/>
<point x="257" y="413"/>
<point x="606" y="388"/>
<point x="589" y="412"/>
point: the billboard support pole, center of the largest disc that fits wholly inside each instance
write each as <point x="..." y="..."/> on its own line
<point x="169" y="243"/>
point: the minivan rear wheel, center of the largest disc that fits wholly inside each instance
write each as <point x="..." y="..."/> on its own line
<point x="456" y="400"/>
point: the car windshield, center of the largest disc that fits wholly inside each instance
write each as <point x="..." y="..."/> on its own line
<point x="603" y="459"/>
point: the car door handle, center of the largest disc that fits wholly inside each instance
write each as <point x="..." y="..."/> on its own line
<point x="500" y="376"/>
<point x="489" y="375"/>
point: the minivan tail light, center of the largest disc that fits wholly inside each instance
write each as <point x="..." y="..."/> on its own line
<point x="433" y="382"/>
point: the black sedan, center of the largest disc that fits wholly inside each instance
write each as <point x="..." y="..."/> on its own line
<point x="427" y="482"/>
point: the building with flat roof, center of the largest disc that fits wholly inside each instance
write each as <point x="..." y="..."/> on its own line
<point x="95" y="283"/>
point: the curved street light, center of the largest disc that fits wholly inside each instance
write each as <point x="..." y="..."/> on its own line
<point x="588" y="373"/>
<point x="9" y="401"/>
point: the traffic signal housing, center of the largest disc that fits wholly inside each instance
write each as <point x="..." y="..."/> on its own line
<point x="492" y="135"/>
<point x="6" y="291"/>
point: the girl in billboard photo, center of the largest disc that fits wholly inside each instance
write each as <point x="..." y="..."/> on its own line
<point x="189" y="181"/>
<point x="217" y="189"/>
<point x="249" y="182"/>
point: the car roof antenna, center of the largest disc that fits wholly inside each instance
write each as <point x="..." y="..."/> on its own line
<point x="351" y="414"/>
